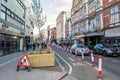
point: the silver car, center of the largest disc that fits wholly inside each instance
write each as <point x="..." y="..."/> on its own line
<point x="79" y="48"/>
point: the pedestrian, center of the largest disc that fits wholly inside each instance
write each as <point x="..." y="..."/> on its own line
<point x="38" y="44"/>
<point x="34" y="46"/>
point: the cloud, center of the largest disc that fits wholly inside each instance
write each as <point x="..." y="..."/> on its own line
<point x="53" y="7"/>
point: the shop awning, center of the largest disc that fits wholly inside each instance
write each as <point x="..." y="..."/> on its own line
<point x="95" y="34"/>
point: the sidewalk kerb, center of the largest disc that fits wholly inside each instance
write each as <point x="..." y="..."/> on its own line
<point x="70" y="67"/>
<point x="60" y="65"/>
<point x="9" y="61"/>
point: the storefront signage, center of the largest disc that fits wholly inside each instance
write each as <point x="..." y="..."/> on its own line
<point x="112" y="32"/>
<point x="27" y="38"/>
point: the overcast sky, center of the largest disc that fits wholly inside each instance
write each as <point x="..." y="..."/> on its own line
<point x="53" y="7"/>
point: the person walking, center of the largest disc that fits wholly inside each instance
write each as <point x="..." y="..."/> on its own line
<point x="34" y="46"/>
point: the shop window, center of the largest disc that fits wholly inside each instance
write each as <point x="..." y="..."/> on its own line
<point x="0" y="44"/>
<point x="8" y="44"/>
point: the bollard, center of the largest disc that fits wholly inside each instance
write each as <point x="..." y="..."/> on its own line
<point x="92" y="58"/>
<point x="100" y="67"/>
<point x="82" y="55"/>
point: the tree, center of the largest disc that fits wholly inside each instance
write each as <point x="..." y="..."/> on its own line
<point x="38" y="18"/>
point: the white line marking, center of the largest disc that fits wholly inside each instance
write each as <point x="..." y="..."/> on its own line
<point x="93" y="67"/>
<point x="63" y="69"/>
<point x="71" y="59"/>
<point x="70" y="67"/>
<point x="77" y="64"/>
<point x="80" y="64"/>
<point x="9" y="61"/>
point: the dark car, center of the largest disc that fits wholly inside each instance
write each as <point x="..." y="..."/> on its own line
<point x="106" y="50"/>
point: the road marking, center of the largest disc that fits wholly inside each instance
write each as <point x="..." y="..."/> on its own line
<point x="63" y="69"/>
<point x="70" y="67"/>
<point x="90" y="65"/>
<point x="77" y="64"/>
<point x="9" y="61"/>
<point x="71" y="59"/>
<point x="80" y="64"/>
<point x="115" y="61"/>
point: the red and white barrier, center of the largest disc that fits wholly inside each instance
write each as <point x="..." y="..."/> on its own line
<point x="92" y="58"/>
<point x="82" y="52"/>
<point x="100" y="67"/>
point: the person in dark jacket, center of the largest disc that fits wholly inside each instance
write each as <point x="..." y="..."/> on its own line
<point x="34" y="46"/>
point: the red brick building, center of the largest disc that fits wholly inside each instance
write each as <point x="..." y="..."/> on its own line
<point x="96" y="21"/>
<point x="111" y="21"/>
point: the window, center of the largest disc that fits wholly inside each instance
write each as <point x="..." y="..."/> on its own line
<point x="8" y="12"/>
<point x="85" y="10"/>
<point x="3" y="8"/>
<point x="3" y="15"/>
<point x="98" y="4"/>
<point x="114" y="15"/>
<point x="98" y="21"/>
<point x="110" y="0"/>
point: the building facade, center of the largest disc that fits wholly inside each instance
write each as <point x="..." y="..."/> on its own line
<point x="28" y="40"/>
<point x="96" y="21"/>
<point x="111" y="21"/>
<point x="12" y="25"/>
<point x="48" y="34"/>
<point x="60" y="25"/>
<point x="53" y="35"/>
<point x="87" y="21"/>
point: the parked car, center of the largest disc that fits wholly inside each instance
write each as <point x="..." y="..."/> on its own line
<point x="77" y="49"/>
<point x="105" y="50"/>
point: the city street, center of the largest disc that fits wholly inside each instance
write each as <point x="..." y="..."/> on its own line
<point x="68" y="67"/>
<point x="110" y="66"/>
<point x="59" y="39"/>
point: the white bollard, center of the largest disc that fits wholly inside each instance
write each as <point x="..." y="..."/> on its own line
<point x="82" y="55"/>
<point x="100" y="67"/>
<point x="92" y="58"/>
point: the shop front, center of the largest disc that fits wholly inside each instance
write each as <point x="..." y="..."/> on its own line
<point x="11" y="39"/>
<point x="112" y="36"/>
<point x="9" y="44"/>
<point x="94" y="38"/>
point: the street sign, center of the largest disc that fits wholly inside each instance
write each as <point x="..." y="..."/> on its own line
<point x="24" y="62"/>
